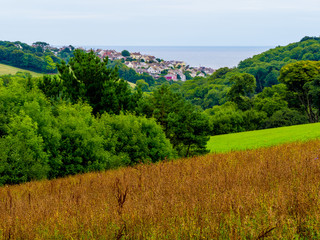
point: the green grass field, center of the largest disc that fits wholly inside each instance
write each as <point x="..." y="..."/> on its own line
<point x="6" y="69"/>
<point x="263" y="138"/>
<point x="132" y="85"/>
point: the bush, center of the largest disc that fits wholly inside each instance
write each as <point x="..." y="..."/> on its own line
<point x="285" y="117"/>
<point x="226" y="119"/>
<point x="135" y="139"/>
<point x="81" y="148"/>
<point x="22" y="155"/>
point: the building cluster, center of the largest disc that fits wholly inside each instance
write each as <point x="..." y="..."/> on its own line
<point x="170" y="70"/>
<point x="141" y="63"/>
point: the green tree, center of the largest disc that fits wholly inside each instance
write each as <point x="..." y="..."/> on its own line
<point x="86" y="77"/>
<point x="125" y="53"/>
<point x="51" y="66"/>
<point x="297" y="77"/>
<point x="80" y="148"/>
<point x="225" y="119"/>
<point x="270" y="104"/>
<point x="51" y="86"/>
<point x="184" y="124"/>
<point x="143" y="85"/>
<point x="22" y="155"/>
<point x="313" y="89"/>
<point x="242" y="90"/>
<point x="285" y="117"/>
<point x="41" y="44"/>
<point x="135" y="139"/>
<point x="220" y="73"/>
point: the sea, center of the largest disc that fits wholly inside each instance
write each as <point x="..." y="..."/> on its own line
<point x="195" y="56"/>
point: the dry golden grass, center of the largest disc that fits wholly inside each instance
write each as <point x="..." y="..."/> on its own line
<point x="270" y="193"/>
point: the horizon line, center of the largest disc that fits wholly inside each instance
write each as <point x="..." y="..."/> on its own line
<point x="99" y="45"/>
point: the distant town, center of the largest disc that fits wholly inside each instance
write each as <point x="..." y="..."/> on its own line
<point x="141" y="63"/>
<point x="156" y="67"/>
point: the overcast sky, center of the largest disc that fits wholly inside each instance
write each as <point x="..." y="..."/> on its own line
<point x="160" y="22"/>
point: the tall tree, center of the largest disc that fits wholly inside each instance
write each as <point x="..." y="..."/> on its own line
<point x="184" y="124"/>
<point x="242" y="89"/>
<point x="86" y="77"/>
<point x="298" y="77"/>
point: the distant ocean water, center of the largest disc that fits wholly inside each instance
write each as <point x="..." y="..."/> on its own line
<point x="214" y="57"/>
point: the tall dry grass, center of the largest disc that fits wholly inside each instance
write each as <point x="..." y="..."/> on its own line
<point x="266" y="193"/>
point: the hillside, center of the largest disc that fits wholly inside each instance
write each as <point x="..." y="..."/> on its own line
<point x="266" y="66"/>
<point x="277" y="88"/>
<point x="40" y="57"/>
<point x="6" y="69"/>
<point x="263" y="138"/>
<point x="271" y="192"/>
<point x="36" y="57"/>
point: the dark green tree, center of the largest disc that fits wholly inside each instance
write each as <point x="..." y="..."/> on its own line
<point x="134" y="139"/>
<point x="285" y="117"/>
<point x="242" y="90"/>
<point x="22" y="155"/>
<point x="125" y="53"/>
<point x="87" y="78"/>
<point x="143" y="85"/>
<point x="298" y="78"/>
<point x="313" y="88"/>
<point x="184" y="124"/>
<point x="50" y="86"/>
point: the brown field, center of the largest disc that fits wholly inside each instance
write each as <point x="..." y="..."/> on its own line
<point x="270" y="193"/>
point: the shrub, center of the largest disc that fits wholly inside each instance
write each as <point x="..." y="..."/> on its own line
<point x="136" y="139"/>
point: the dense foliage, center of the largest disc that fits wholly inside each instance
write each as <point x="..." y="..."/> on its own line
<point x="87" y="78"/>
<point x="276" y="88"/>
<point x="183" y="123"/>
<point x="87" y="119"/>
<point x="43" y="139"/>
<point x="265" y="67"/>
<point x="35" y="58"/>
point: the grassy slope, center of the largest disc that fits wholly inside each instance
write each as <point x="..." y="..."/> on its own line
<point x="263" y="138"/>
<point x="132" y="84"/>
<point x="254" y="194"/>
<point x="6" y="69"/>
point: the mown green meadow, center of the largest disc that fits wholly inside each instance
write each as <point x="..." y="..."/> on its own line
<point x="6" y="69"/>
<point x="263" y="138"/>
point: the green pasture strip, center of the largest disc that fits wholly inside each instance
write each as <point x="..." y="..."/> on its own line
<point x="6" y="69"/>
<point x="263" y="138"/>
<point x="133" y="85"/>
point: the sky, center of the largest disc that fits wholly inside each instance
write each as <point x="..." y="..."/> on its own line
<point x="159" y="22"/>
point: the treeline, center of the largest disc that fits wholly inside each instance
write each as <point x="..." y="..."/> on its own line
<point x="43" y="58"/>
<point x="87" y="119"/>
<point x="266" y="67"/>
<point x="38" y="57"/>
<point x="273" y="89"/>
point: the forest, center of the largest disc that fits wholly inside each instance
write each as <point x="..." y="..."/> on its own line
<point x="40" y="57"/>
<point x="87" y="117"/>
<point x="279" y="87"/>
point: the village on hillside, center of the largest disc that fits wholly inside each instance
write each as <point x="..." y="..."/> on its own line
<point x="142" y="63"/>
<point x="170" y="70"/>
